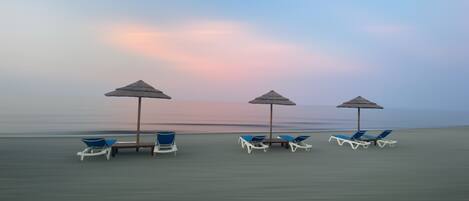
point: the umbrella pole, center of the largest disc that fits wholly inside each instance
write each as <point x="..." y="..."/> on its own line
<point x="358" y="119"/>
<point x="138" y="120"/>
<point x="271" y="111"/>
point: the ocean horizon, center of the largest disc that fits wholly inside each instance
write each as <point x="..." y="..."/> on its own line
<point x="118" y="117"/>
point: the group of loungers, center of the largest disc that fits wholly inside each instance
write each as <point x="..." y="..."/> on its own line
<point x="361" y="139"/>
<point x="166" y="143"/>
<point x="258" y="142"/>
<point x="356" y="140"/>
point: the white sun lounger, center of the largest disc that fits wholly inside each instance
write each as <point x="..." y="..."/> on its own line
<point x="353" y="143"/>
<point x="96" y="147"/>
<point x="296" y="143"/>
<point x="252" y="142"/>
<point x="165" y="142"/>
<point x="351" y="140"/>
<point x="380" y="139"/>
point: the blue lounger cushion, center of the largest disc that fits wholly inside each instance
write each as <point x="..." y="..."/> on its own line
<point x="247" y="137"/>
<point x="165" y="137"/>
<point x="290" y="138"/>
<point x="347" y="137"/>
<point x="110" y="142"/>
<point x="98" y="142"/>
<point x="379" y="137"/>
<point x="250" y="138"/>
<point x="301" y="138"/>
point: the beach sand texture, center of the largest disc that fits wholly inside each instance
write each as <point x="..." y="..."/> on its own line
<point x="427" y="164"/>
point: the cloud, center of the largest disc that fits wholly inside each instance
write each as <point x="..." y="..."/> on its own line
<point x="221" y="49"/>
<point x="389" y="30"/>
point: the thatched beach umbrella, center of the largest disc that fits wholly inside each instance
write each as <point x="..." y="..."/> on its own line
<point x="272" y="98"/>
<point x="360" y="102"/>
<point x="138" y="89"/>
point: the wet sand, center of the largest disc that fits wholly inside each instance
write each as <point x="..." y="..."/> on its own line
<point x="427" y="164"/>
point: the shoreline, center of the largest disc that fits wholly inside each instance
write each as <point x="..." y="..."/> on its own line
<point x="124" y="133"/>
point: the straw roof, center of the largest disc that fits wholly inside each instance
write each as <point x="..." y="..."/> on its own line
<point x="138" y="89"/>
<point x="272" y="98"/>
<point x="360" y="102"/>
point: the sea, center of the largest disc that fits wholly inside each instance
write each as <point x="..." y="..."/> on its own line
<point x="120" y="118"/>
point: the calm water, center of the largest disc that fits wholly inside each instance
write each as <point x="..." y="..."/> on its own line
<point x="119" y="117"/>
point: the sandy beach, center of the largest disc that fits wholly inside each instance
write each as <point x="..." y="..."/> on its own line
<point x="427" y="164"/>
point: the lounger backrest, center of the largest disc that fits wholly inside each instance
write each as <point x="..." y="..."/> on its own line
<point x="258" y="138"/>
<point x="301" y="138"/>
<point x="287" y="138"/>
<point x="247" y="137"/>
<point x="165" y="138"/>
<point x="94" y="142"/>
<point x="358" y="134"/>
<point x="384" y="134"/>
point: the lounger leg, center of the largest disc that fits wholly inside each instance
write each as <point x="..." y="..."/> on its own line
<point x="341" y="142"/>
<point x="82" y="154"/>
<point x="381" y="144"/>
<point x="354" y="147"/>
<point x="108" y="154"/>
<point x="113" y="151"/>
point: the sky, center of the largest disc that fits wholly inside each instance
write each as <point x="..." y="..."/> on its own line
<point x="401" y="54"/>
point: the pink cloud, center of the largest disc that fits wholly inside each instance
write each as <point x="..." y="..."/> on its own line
<point x="223" y="50"/>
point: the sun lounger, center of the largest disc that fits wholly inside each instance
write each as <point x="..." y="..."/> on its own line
<point x="96" y="147"/>
<point x="246" y="138"/>
<point x="252" y="142"/>
<point x="165" y="142"/>
<point x="353" y="140"/>
<point x="297" y="142"/>
<point x="379" y="139"/>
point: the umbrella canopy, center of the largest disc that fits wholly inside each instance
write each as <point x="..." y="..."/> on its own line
<point x="360" y="102"/>
<point x="272" y="98"/>
<point x="138" y="89"/>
